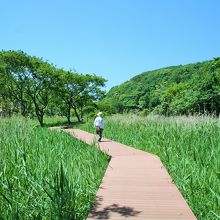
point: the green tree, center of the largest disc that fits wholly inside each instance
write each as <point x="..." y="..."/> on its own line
<point x="79" y="91"/>
<point x="15" y="75"/>
<point x="40" y="84"/>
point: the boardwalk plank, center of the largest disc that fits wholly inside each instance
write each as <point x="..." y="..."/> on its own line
<point x="136" y="185"/>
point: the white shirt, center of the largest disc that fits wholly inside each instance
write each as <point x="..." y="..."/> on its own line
<point x="99" y="122"/>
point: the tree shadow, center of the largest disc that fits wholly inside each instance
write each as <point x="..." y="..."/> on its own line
<point x="105" y="141"/>
<point x="63" y="125"/>
<point x="105" y="213"/>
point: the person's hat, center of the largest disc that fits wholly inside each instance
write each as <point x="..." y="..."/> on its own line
<point x="100" y="113"/>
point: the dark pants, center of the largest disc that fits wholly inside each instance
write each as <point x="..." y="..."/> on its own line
<point x="99" y="132"/>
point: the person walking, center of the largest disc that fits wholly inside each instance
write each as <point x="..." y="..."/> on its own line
<point x="99" y="126"/>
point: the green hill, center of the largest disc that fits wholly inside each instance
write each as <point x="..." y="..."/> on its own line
<point x="184" y="89"/>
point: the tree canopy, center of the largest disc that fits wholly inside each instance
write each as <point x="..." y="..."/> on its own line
<point x="29" y="85"/>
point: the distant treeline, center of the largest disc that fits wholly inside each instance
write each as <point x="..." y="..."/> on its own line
<point x="31" y="86"/>
<point x="176" y="90"/>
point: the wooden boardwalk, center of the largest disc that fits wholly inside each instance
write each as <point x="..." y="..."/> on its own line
<point x="135" y="186"/>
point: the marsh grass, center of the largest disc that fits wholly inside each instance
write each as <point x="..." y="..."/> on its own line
<point x="45" y="174"/>
<point x="189" y="147"/>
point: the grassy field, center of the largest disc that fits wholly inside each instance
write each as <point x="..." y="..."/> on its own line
<point x="45" y="174"/>
<point x="189" y="147"/>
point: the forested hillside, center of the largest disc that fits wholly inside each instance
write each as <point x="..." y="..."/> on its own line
<point x="184" y="89"/>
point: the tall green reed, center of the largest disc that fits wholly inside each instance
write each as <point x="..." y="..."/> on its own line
<point x="45" y="174"/>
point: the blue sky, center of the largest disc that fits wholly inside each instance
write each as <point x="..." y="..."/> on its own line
<point x="115" y="39"/>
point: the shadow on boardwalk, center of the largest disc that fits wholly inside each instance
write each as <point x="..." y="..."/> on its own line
<point x="105" y="213"/>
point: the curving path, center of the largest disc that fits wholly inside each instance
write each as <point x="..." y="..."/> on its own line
<point x="135" y="186"/>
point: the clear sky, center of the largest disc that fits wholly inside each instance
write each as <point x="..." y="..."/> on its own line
<point x="116" y="39"/>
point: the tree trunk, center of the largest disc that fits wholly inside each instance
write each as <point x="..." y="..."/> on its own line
<point x="23" y="109"/>
<point x="40" y="116"/>
<point x="68" y="114"/>
<point x="77" y="115"/>
<point x="81" y="113"/>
